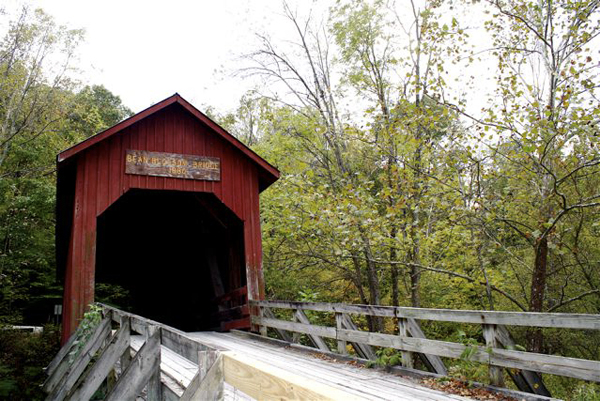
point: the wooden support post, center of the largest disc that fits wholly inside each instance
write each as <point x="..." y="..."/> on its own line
<point x="295" y="335"/>
<point x="143" y="366"/>
<point x="154" y="386"/>
<point x="495" y="372"/>
<point x="205" y="361"/>
<point x="125" y="359"/>
<point x="407" y="356"/>
<point x="263" y="328"/>
<point x="339" y="323"/>
<point x="207" y="387"/>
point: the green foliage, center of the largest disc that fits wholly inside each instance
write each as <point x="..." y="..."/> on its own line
<point x="393" y="190"/>
<point x="23" y="356"/>
<point x="471" y="346"/>
<point x="409" y="196"/>
<point x="388" y="357"/>
<point x="91" y="320"/>
<point x="41" y="114"/>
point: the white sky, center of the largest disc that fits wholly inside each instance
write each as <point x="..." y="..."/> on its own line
<point x="144" y="51"/>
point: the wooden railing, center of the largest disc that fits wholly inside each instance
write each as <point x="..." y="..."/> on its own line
<point x="86" y="360"/>
<point x="143" y="356"/>
<point x="499" y="350"/>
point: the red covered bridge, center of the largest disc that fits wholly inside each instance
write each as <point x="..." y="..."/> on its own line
<point x="166" y="205"/>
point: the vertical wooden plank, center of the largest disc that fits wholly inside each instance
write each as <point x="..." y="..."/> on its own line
<point x="206" y="359"/>
<point x="255" y="218"/>
<point x="114" y="173"/>
<point x="125" y="359"/>
<point x="263" y="329"/>
<point x="132" y="139"/>
<point x="295" y="335"/>
<point x="169" y="141"/>
<point x="154" y="389"/>
<point x="339" y="323"/>
<point x="407" y="357"/>
<point x="152" y="147"/>
<point x="196" y="146"/>
<point x="143" y="133"/>
<point x="215" y="147"/>
<point x="125" y="145"/>
<point x="103" y="177"/>
<point x="495" y="372"/>
<point x="188" y="145"/>
<point x="89" y="234"/>
<point x="208" y="386"/>
<point x="160" y="144"/>
<point x="177" y="142"/>
<point x="72" y="296"/>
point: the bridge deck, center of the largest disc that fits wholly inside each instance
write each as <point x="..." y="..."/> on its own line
<point x="364" y="383"/>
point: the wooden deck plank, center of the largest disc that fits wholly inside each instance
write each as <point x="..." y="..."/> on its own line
<point x="355" y="382"/>
<point x="364" y="383"/>
<point x="177" y="373"/>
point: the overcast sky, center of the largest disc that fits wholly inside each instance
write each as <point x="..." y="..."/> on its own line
<point x="145" y="51"/>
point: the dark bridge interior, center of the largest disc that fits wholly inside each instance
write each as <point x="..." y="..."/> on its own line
<point x="166" y="255"/>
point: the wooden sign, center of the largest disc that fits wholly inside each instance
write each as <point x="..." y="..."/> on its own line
<point x="173" y="165"/>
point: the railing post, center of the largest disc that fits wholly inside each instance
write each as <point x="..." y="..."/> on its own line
<point x="495" y="372"/>
<point x="154" y="389"/>
<point x="125" y="359"/>
<point x="407" y="356"/>
<point x="295" y="334"/>
<point x="262" y="328"/>
<point x="341" y="344"/>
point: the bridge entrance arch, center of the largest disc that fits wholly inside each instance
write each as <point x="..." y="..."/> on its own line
<point x="169" y="255"/>
<point x="165" y="205"/>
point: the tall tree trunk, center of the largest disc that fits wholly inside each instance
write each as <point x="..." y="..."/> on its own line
<point x="415" y="280"/>
<point x="394" y="269"/>
<point x="415" y="254"/>
<point x="538" y="287"/>
<point x="361" y="292"/>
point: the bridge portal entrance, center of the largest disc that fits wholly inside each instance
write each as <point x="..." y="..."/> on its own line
<point x="168" y="255"/>
<point x="160" y="215"/>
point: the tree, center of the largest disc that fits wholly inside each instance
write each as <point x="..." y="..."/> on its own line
<point x="40" y="115"/>
<point x="544" y="147"/>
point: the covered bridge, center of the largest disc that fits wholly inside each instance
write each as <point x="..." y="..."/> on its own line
<point x="166" y="205"/>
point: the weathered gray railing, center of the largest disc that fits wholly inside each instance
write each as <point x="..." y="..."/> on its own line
<point x="498" y="352"/>
<point x="169" y="365"/>
<point x="85" y="362"/>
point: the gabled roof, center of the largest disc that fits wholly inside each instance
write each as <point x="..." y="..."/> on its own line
<point x="268" y="172"/>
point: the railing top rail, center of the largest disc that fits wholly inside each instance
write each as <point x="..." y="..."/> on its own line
<point x="528" y="319"/>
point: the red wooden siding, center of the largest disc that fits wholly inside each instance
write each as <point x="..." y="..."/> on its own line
<point x="100" y="180"/>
